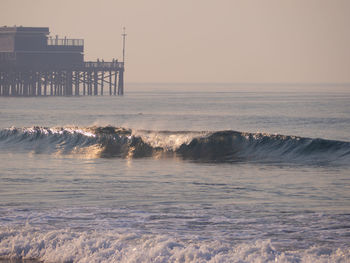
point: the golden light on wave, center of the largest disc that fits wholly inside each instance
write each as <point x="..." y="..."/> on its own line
<point x="90" y="152"/>
<point x="130" y="153"/>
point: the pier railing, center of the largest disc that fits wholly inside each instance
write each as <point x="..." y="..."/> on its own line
<point x="104" y="65"/>
<point x="65" y="42"/>
<point x="6" y="57"/>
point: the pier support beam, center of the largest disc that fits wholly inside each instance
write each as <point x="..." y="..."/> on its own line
<point x="84" y="83"/>
<point x="110" y="83"/>
<point x="121" y="83"/>
<point x="115" y="84"/>
<point x="95" y="83"/>
<point x="76" y="85"/>
<point x="102" y="81"/>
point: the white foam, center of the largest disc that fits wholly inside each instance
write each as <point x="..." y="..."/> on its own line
<point x="165" y="140"/>
<point x="67" y="245"/>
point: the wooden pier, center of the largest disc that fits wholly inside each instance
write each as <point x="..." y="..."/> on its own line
<point x="42" y="66"/>
<point x="90" y="78"/>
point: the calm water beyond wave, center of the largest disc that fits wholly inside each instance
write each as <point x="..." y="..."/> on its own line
<point x="176" y="177"/>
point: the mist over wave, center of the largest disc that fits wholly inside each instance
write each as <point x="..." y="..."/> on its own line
<point x="221" y="146"/>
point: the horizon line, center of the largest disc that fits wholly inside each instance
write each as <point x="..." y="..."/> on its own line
<point x="245" y="83"/>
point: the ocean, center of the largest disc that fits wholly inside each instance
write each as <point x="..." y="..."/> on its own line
<point x="163" y="174"/>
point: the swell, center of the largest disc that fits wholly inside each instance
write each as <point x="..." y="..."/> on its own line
<point x="237" y="146"/>
<point x="221" y="146"/>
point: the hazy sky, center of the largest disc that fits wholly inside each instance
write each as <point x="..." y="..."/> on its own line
<point x="204" y="40"/>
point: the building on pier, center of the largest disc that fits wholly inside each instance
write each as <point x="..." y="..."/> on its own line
<point x="34" y="64"/>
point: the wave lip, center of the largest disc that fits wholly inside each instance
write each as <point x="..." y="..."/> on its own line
<point x="222" y="146"/>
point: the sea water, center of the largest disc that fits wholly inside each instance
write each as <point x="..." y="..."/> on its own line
<point x="176" y="176"/>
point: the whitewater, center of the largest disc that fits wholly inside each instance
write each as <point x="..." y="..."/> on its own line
<point x="176" y="176"/>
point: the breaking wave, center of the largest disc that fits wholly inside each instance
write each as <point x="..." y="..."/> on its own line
<point x="67" y="245"/>
<point x="221" y="146"/>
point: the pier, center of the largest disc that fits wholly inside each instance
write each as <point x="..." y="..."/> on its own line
<point x="33" y="64"/>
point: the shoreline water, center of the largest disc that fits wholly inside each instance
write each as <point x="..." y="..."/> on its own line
<point x="83" y="190"/>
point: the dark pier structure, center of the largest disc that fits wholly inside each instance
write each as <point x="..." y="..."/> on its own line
<point x="34" y="64"/>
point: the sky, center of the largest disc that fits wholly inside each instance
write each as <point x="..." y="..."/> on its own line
<point x="203" y="41"/>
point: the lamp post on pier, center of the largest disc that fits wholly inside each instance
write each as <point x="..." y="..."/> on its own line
<point x="121" y="72"/>
<point x="124" y="36"/>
